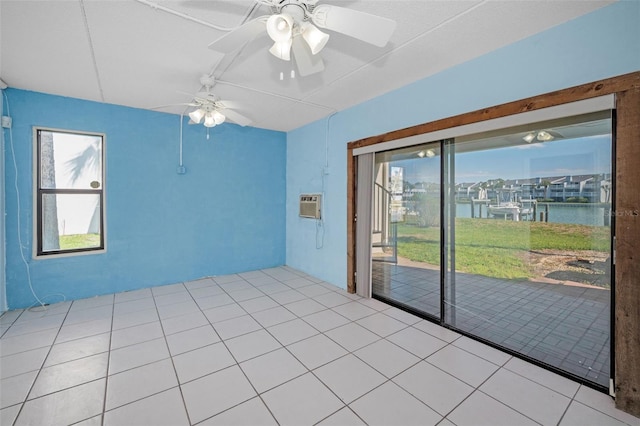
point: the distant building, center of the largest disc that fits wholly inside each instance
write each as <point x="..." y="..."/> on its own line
<point x="594" y="188"/>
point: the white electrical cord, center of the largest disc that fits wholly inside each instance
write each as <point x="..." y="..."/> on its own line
<point x="320" y="222"/>
<point x="19" y="224"/>
<point x="326" y="139"/>
<point x="274" y="94"/>
<point x="181" y="119"/>
<point x="184" y="16"/>
<point x="325" y="171"/>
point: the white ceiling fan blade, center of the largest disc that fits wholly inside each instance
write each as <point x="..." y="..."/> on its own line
<point x="185" y="93"/>
<point x="307" y="63"/>
<point x="229" y="104"/>
<point x="204" y="95"/>
<point x="240" y="36"/>
<point x="236" y="117"/>
<point x="369" y="28"/>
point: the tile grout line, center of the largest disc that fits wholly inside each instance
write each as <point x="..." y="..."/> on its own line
<point x="106" y="381"/>
<point x="293" y="355"/>
<point x="236" y="364"/>
<point x="171" y="356"/>
<point x="173" y="365"/>
<point x="349" y="352"/>
<point x="239" y="336"/>
<point x="574" y="400"/>
<point x="26" y="398"/>
<point x="390" y="379"/>
<point x="308" y="370"/>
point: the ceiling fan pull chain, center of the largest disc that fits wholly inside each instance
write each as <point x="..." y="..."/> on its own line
<point x="292" y="74"/>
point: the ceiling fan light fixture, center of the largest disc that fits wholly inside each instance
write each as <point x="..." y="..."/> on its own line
<point x="544" y="136"/>
<point x="529" y="137"/>
<point x="197" y="115"/>
<point x="209" y="120"/>
<point x="315" y="38"/>
<point x="282" y="49"/>
<point x="218" y="117"/>
<point x="280" y="27"/>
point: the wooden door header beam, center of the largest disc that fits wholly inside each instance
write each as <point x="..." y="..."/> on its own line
<point x="559" y="97"/>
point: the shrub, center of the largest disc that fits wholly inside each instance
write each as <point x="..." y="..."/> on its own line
<point x="428" y="208"/>
<point x="577" y="200"/>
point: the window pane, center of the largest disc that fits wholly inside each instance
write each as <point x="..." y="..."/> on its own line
<point x="70" y="161"/>
<point x="406" y="228"/>
<point x="70" y="221"/>
<point x="530" y="262"/>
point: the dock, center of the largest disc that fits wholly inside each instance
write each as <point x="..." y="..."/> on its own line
<point x="521" y="210"/>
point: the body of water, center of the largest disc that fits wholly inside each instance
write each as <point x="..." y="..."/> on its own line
<point x="580" y="214"/>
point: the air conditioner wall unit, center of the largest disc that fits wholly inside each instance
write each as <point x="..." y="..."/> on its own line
<point x="311" y="206"/>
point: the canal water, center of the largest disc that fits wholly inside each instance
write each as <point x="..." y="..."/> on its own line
<point x="580" y="214"/>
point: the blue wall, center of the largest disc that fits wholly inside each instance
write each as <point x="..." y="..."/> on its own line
<point x="225" y="215"/>
<point x="602" y="44"/>
<point x="3" y="300"/>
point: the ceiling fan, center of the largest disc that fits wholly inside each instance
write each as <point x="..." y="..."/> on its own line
<point x="293" y="27"/>
<point x="210" y="110"/>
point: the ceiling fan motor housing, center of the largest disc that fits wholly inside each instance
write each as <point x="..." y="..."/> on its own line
<point x="298" y="10"/>
<point x="207" y="81"/>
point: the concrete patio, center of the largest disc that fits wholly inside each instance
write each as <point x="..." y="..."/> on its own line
<point x="564" y="326"/>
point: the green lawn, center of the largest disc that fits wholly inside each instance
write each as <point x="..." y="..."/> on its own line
<point x="69" y="242"/>
<point x="496" y="248"/>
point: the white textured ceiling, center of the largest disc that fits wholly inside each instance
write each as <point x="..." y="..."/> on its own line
<point x="130" y="53"/>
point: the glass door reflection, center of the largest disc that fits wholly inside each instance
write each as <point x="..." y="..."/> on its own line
<point x="406" y="228"/>
<point x="528" y="229"/>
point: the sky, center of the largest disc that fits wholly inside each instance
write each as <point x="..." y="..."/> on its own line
<point x="589" y="155"/>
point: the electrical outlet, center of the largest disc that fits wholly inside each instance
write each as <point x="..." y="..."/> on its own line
<point x="181" y="170"/>
<point x="6" y="122"/>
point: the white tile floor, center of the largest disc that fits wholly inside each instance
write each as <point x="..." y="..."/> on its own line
<point x="263" y="348"/>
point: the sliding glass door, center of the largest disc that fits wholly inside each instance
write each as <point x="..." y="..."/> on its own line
<point x="505" y="236"/>
<point x="406" y="228"/>
<point x="532" y="242"/>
